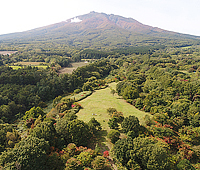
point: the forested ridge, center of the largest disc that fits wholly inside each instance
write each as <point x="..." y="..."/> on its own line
<point x="161" y="81"/>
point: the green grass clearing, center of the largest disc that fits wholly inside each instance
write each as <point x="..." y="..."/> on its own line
<point x="18" y="67"/>
<point x="97" y="104"/>
<point x="39" y="65"/>
<point x="186" y="47"/>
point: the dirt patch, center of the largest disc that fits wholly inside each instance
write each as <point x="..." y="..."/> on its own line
<point x="66" y="70"/>
<point x="69" y="70"/>
<point x="7" y="52"/>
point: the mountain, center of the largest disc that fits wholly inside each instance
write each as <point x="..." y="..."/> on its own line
<point x="100" y="30"/>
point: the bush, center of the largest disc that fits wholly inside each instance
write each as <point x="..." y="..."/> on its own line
<point x="73" y="164"/>
<point x="85" y="158"/>
<point x="33" y="113"/>
<point x="100" y="163"/>
<point x="185" y="165"/>
<point x="77" y="91"/>
<point x="111" y="110"/>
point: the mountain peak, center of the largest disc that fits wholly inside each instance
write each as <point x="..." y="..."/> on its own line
<point x="97" y="19"/>
<point x="98" y="30"/>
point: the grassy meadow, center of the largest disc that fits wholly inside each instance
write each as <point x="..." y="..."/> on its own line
<point x="25" y="64"/>
<point x="97" y="104"/>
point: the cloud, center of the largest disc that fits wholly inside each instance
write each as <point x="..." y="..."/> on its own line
<point x="76" y="20"/>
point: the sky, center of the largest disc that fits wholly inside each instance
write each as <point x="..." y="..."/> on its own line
<point x="181" y="16"/>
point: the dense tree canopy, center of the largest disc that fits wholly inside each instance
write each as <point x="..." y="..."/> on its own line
<point x="163" y="82"/>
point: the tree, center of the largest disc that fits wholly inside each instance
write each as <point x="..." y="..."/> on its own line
<point x="139" y="103"/>
<point x="8" y="136"/>
<point x="34" y="112"/>
<point x="130" y="123"/>
<point x="29" y="154"/>
<point x="113" y="135"/>
<point x="143" y="153"/>
<point x="56" y="100"/>
<point x="119" y="88"/>
<point x="75" y="131"/>
<point x="94" y="125"/>
<point x="113" y="123"/>
<point x="130" y="93"/>
<point x="45" y="130"/>
<point x="119" y="116"/>
<point x="12" y="138"/>
<point x="78" y="132"/>
<point x="69" y="116"/>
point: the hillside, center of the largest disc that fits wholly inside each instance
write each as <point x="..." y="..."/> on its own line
<point x="100" y="30"/>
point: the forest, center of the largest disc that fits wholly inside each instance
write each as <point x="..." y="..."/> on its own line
<point x="40" y="129"/>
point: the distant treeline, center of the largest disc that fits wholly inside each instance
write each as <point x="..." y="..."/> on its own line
<point x="138" y="50"/>
<point x="96" y="54"/>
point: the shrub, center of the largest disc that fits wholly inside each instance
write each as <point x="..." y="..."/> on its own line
<point x="111" y="110"/>
<point x="185" y="165"/>
<point x="34" y="113"/>
<point x="119" y="116"/>
<point x="100" y="163"/>
<point x="77" y="91"/>
<point x="85" y="158"/>
<point x="106" y="154"/>
<point x="73" y="164"/>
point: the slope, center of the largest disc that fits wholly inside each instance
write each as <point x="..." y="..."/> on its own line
<point x="99" y="30"/>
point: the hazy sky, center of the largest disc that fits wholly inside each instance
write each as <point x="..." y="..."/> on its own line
<point x="175" y="15"/>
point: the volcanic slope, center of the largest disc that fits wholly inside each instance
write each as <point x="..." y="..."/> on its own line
<point x="100" y="30"/>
